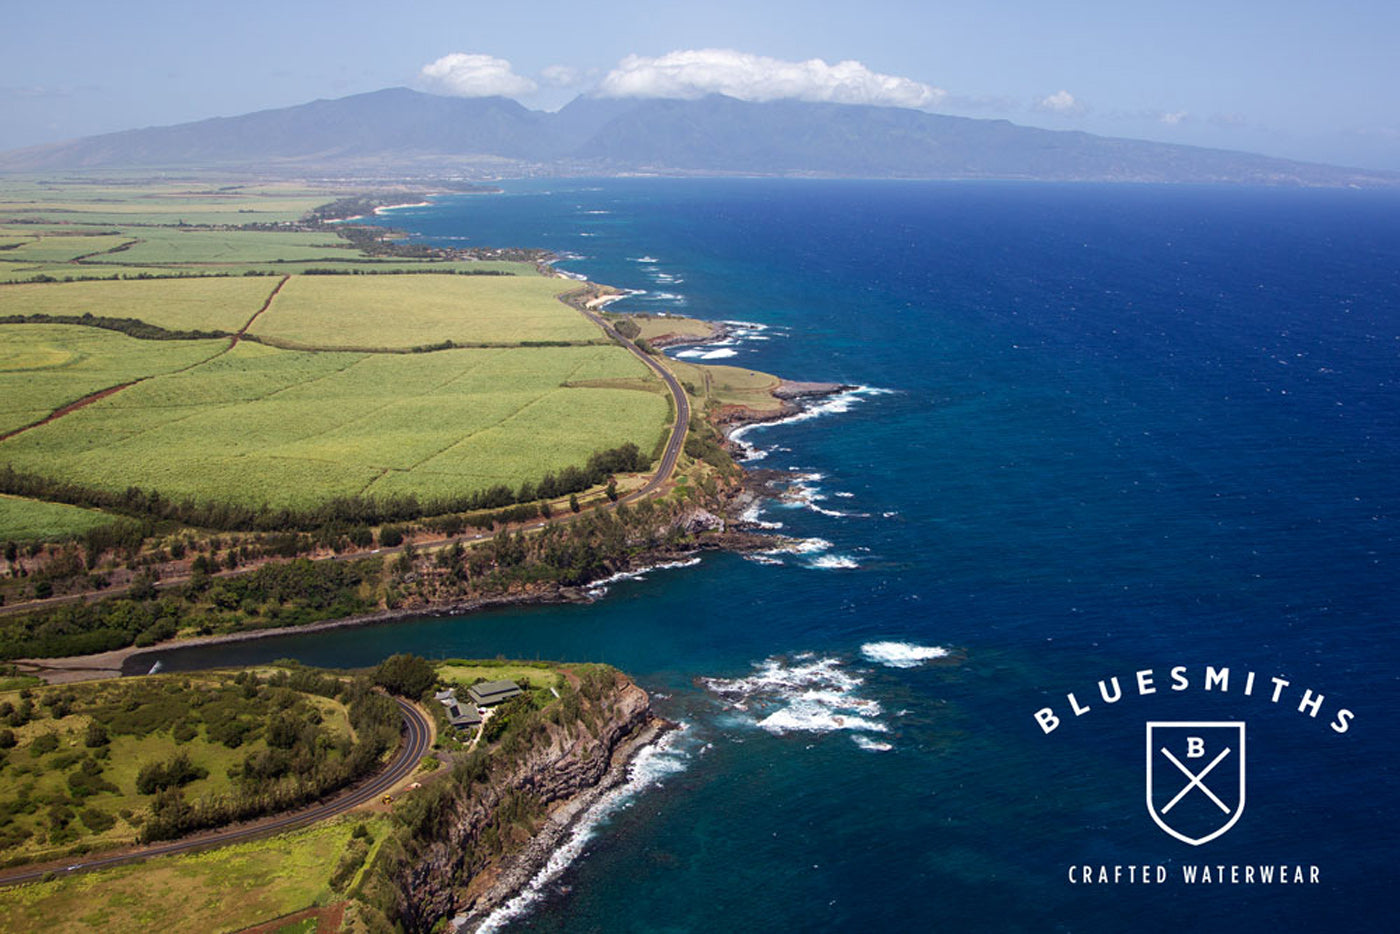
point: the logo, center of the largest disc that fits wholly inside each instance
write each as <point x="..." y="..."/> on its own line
<point x="1195" y="778"/>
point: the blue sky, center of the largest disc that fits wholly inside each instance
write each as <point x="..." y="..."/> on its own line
<point x="1293" y="78"/>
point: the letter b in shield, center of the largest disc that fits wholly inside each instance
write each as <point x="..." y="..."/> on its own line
<point x="1195" y="778"/>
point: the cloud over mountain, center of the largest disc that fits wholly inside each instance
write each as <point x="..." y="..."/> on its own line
<point x="466" y="74"/>
<point x="1061" y="102"/>
<point x="694" y="73"/>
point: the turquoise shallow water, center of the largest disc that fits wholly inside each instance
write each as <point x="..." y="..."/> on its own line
<point x="1122" y="428"/>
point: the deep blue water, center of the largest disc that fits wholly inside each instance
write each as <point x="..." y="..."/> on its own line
<point x="1126" y="428"/>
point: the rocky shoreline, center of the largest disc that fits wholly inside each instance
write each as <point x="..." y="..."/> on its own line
<point x="520" y="870"/>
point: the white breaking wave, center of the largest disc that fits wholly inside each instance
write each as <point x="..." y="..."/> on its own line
<point x="650" y="767"/>
<point x="644" y="259"/>
<point x="801" y="695"/>
<point x="870" y="745"/>
<point x="832" y="405"/>
<point x="800" y="546"/>
<point x="751" y="515"/>
<point x="600" y="587"/>
<point x="833" y="563"/>
<point x="804" y="492"/>
<point x="901" y="654"/>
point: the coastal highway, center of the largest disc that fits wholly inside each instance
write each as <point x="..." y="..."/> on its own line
<point x="676" y="442"/>
<point x="416" y="738"/>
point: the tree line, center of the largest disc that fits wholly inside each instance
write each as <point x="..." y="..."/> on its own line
<point x="340" y="512"/>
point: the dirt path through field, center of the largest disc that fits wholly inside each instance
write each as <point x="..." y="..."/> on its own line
<point x="265" y="306"/>
<point x="70" y="407"/>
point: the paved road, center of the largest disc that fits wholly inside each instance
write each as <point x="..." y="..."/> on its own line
<point x="417" y="733"/>
<point x="676" y="442"/>
<point x="674" y="445"/>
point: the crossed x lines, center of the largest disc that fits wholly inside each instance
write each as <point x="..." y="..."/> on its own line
<point x="1196" y="779"/>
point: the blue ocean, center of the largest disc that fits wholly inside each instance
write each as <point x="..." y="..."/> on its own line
<point x="1103" y="432"/>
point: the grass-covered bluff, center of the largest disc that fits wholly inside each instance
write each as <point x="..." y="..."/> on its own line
<point x="350" y="873"/>
<point x="103" y="764"/>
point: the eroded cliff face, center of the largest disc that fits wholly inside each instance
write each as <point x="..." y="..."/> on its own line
<point x="481" y="851"/>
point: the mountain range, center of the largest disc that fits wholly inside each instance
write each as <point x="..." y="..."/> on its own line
<point x="411" y="133"/>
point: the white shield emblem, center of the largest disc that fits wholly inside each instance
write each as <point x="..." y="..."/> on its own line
<point x="1195" y="778"/>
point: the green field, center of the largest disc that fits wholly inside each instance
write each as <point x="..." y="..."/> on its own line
<point x="143" y="201"/>
<point x="654" y="326"/>
<point x="46" y="366"/>
<point x="59" y="249"/>
<point x="404" y="312"/>
<point x="185" y="304"/>
<point x="289" y="428"/>
<point x="227" y="889"/>
<point x="174" y="245"/>
<point x="31" y="520"/>
<point x="334" y="392"/>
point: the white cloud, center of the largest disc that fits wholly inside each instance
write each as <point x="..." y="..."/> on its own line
<point x="1173" y="118"/>
<point x="1061" y="102"/>
<point x="563" y="76"/>
<point x="693" y="73"/>
<point x="464" y="74"/>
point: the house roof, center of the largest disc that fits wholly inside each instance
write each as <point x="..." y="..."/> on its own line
<point x="492" y="692"/>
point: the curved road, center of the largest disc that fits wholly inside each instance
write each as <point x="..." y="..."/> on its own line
<point x="417" y="734"/>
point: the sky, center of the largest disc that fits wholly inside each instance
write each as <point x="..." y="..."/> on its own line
<point x="1292" y="78"/>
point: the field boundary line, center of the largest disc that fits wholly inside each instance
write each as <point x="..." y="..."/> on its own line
<point x="72" y="407"/>
<point x="265" y="306"/>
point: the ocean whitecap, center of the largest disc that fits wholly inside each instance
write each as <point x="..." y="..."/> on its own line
<point x="901" y="654"/>
<point x="803" y="694"/>
<point x="833" y="563"/>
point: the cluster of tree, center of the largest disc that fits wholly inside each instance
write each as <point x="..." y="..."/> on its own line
<point x="178" y="771"/>
<point x="132" y="327"/>
<point x="381" y="241"/>
<point x="303" y="762"/>
<point x="406" y="675"/>
<point x="282" y="594"/>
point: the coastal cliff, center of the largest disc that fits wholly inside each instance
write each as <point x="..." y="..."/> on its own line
<point x="474" y="834"/>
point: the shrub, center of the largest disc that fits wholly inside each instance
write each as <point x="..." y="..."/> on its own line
<point x="44" y="743"/>
<point x="159" y="776"/>
<point x="96" y="735"/>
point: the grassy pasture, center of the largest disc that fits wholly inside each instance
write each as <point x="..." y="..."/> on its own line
<point x="62" y="272"/>
<point x="288" y="428"/>
<point x="185" y="304"/>
<point x="227" y="889"/>
<point x="653" y="326"/>
<point x="32" y="520"/>
<point x="63" y="248"/>
<point x="146" y="202"/>
<point x="45" y="366"/>
<point x="173" y="245"/>
<point x="404" y="312"/>
<point x="465" y="673"/>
